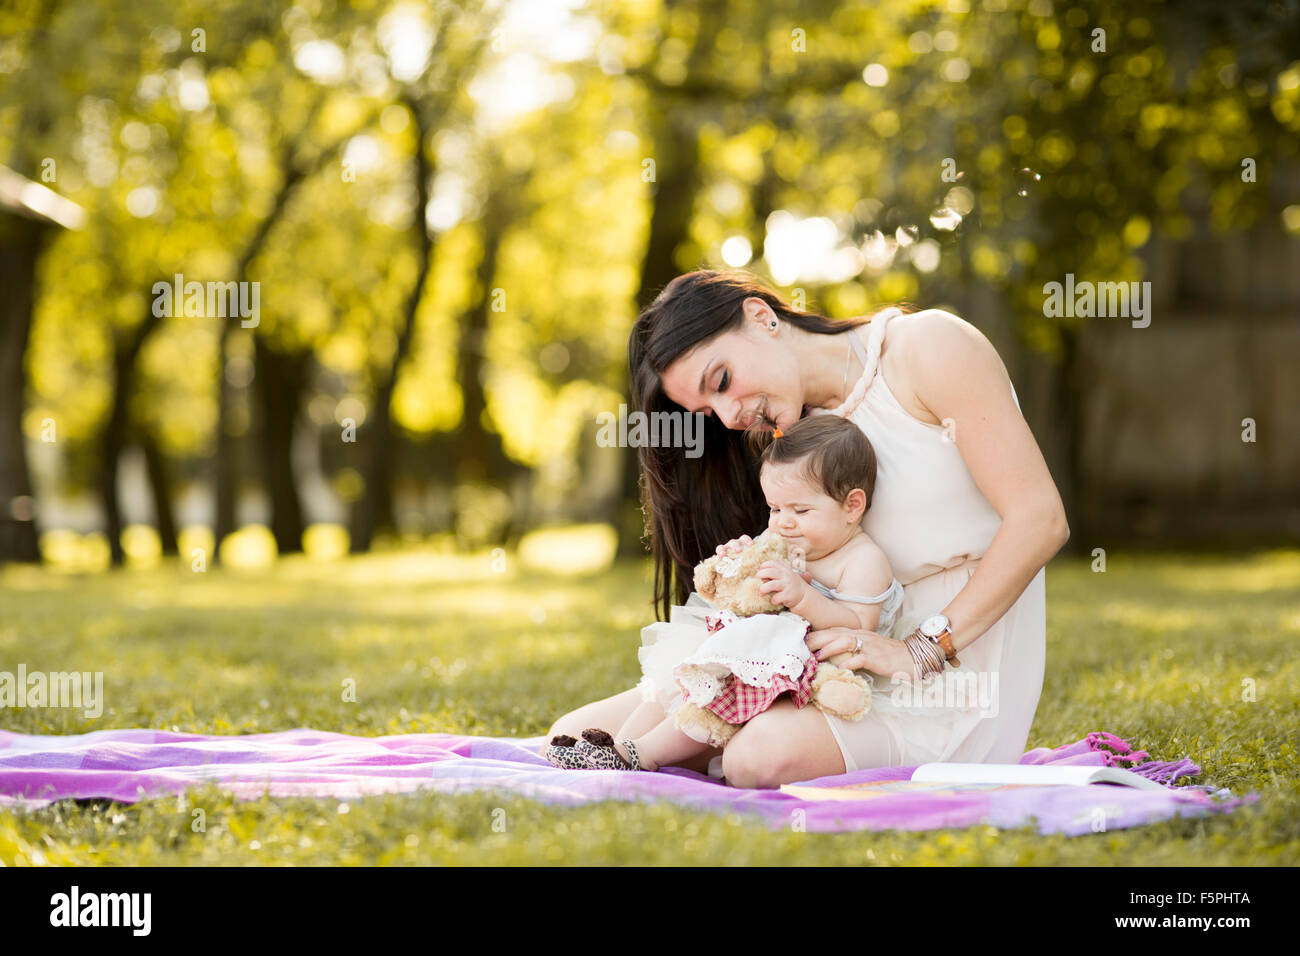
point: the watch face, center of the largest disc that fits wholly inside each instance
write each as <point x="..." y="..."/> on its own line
<point x="934" y="626"/>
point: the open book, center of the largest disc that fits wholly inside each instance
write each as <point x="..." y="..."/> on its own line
<point x="959" y="777"/>
<point x="1040" y="774"/>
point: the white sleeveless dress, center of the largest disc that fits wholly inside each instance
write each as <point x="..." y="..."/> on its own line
<point x="934" y="524"/>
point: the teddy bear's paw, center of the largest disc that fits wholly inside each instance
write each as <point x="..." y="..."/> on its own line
<point x="718" y="737"/>
<point x="844" y="696"/>
<point x="704" y="726"/>
<point x="749" y="600"/>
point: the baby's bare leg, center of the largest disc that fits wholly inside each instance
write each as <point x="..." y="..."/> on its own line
<point x="664" y="746"/>
<point x="645" y="718"/>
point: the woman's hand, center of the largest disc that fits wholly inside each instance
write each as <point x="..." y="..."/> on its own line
<point x="735" y="545"/>
<point x="880" y="655"/>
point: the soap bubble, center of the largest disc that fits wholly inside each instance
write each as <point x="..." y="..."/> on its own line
<point x="945" y="219"/>
<point x="1026" y="178"/>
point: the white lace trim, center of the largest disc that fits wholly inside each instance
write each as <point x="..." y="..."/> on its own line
<point x="728" y="566"/>
<point x="703" y="682"/>
<point x="755" y="649"/>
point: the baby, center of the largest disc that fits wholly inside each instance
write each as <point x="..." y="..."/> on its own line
<point x="818" y="479"/>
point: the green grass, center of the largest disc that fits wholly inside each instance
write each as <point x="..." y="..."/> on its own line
<point x="1155" y="649"/>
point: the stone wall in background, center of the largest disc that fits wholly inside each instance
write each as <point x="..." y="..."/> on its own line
<point x="1162" y="451"/>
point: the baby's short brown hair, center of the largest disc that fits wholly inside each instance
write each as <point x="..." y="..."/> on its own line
<point x="834" y="452"/>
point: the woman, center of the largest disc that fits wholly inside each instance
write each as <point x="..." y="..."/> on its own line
<point x="964" y="508"/>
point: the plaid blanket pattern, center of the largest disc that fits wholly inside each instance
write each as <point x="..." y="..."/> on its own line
<point x="739" y="701"/>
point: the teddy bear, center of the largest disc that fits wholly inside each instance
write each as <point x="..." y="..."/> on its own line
<point x="730" y="584"/>
<point x="729" y="581"/>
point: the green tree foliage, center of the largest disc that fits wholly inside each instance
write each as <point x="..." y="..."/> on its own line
<point x="963" y="153"/>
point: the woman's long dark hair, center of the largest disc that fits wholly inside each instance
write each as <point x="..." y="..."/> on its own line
<point x="692" y="505"/>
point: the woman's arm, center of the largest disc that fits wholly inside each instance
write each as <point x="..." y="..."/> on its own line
<point x="951" y="371"/>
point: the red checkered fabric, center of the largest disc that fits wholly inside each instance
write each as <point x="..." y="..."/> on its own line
<point x="739" y="701"/>
<point x="713" y="624"/>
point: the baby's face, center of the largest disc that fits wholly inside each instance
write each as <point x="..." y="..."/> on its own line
<point x="802" y="513"/>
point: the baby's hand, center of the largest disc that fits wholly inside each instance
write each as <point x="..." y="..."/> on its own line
<point x="781" y="583"/>
<point x="735" y="544"/>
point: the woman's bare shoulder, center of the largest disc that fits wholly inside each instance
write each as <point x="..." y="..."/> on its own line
<point x="931" y="328"/>
<point x="932" y="347"/>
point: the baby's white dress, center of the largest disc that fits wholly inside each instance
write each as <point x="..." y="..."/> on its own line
<point x="692" y="654"/>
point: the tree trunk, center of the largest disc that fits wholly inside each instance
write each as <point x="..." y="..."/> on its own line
<point x="227" y="470"/>
<point x="677" y="163"/>
<point x="677" y="174"/>
<point x="227" y="466"/>
<point x="160" y="486"/>
<point x="478" y="452"/>
<point x="21" y="241"/>
<point x="111" y="442"/>
<point x="375" y="507"/>
<point x="280" y="381"/>
<point x="113" y="438"/>
<point x="374" y="510"/>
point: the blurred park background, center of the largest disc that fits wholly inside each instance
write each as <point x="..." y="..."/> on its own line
<point x="454" y="211"/>
<point x="452" y="214"/>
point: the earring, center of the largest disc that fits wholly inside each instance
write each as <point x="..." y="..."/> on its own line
<point x="772" y="325"/>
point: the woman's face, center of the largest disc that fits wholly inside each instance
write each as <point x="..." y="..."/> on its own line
<point x="741" y="374"/>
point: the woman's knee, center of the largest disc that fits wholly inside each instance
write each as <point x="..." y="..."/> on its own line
<point x="759" y="755"/>
<point x="781" y="745"/>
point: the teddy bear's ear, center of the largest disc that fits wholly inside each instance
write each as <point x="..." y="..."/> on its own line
<point x="704" y="578"/>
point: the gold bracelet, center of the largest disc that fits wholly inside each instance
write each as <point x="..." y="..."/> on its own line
<point x="916" y="658"/>
<point x="927" y="657"/>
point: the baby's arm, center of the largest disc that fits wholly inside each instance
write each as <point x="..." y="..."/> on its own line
<point x="866" y="573"/>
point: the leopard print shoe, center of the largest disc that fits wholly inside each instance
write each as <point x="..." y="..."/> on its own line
<point x="597" y="747"/>
<point x="561" y="754"/>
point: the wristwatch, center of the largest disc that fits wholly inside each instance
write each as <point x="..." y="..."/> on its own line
<point x="938" y="630"/>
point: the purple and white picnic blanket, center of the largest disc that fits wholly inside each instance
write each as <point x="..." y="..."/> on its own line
<point x="129" y="765"/>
